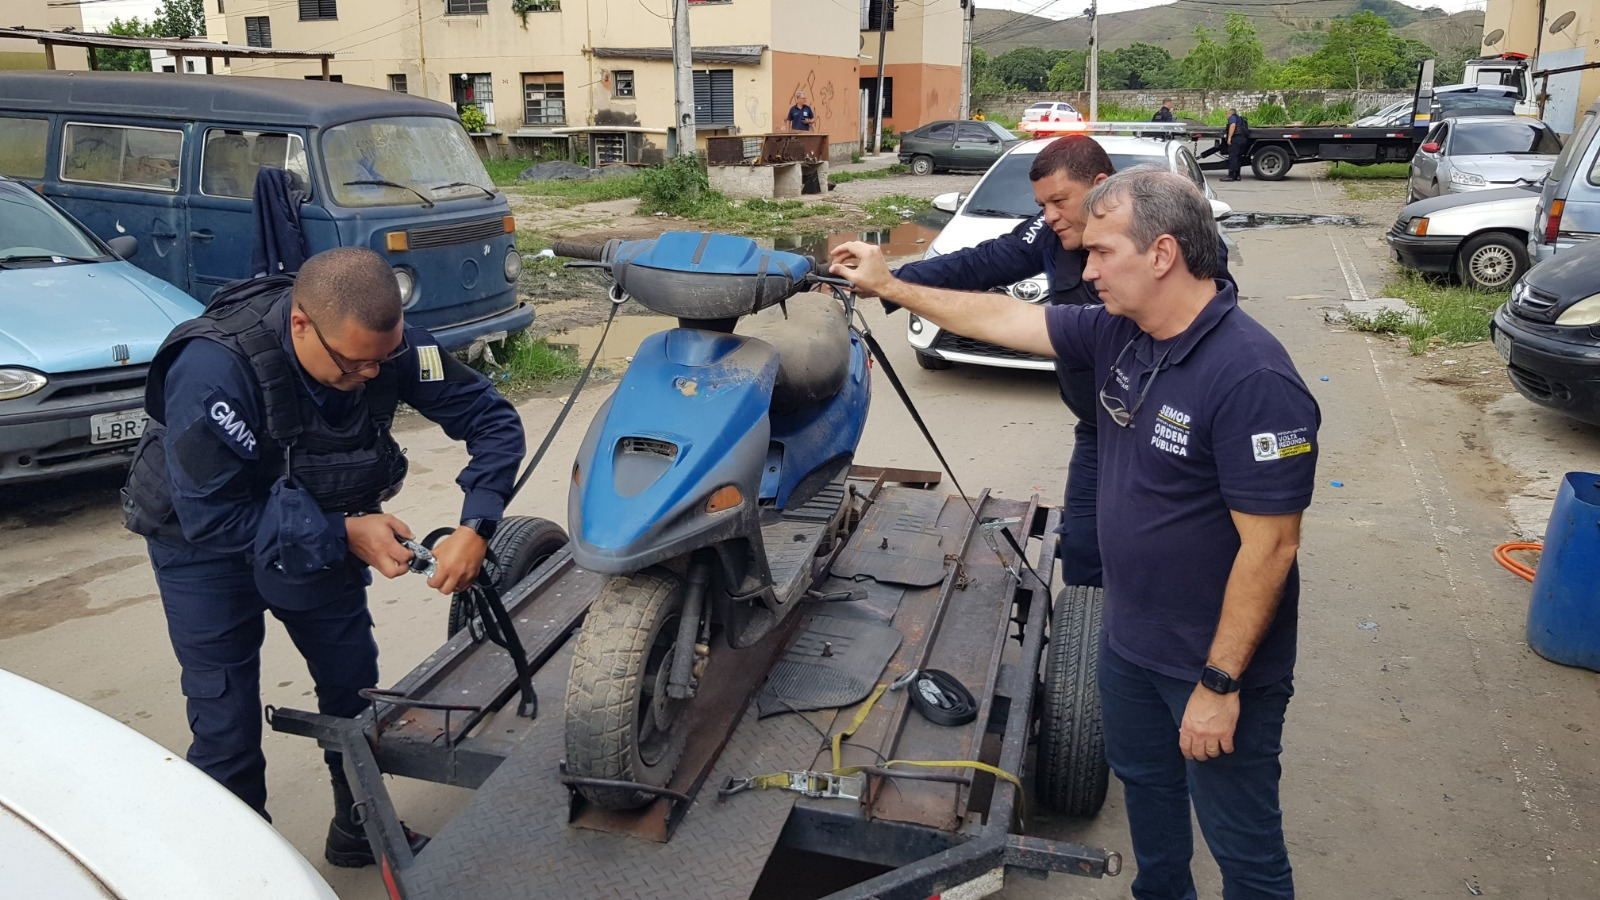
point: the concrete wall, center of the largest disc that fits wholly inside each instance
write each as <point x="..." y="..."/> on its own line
<point x="1012" y="105"/>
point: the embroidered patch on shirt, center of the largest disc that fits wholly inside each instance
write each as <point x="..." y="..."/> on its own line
<point x="229" y="426"/>
<point x="430" y="366"/>
<point x="1279" y="445"/>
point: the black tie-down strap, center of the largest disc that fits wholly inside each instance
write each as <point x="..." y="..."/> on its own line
<point x="491" y="620"/>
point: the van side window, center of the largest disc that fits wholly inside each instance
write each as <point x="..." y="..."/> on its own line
<point x="146" y="158"/>
<point x="22" y="146"/>
<point x="231" y="159"/>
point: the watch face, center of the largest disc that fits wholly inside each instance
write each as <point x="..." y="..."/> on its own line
<point x="1217" y="680"/>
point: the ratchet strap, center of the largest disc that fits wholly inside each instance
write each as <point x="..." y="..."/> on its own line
<point x="942" y="699"/>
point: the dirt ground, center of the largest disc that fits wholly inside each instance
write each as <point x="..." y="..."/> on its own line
<point x="1428" y="751"/>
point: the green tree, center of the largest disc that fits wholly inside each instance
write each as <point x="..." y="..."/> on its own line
<point x="1450" y="65"/>
<point x="125" y="60"/>
<point x="1359" y="51"/>
<point x="1068" y="72"/>
<point x="1025" y="68"/>
<point x="1202" y="68"/>
<point x="1242" y="55"/>
<point x="180" y="19"/>
<point x="1137" y="65"/>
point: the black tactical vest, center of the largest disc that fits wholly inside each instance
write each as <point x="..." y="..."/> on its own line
<point x="349" y="466"/>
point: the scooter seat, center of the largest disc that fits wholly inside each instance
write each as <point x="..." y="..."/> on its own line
<point x="813" y="345"/>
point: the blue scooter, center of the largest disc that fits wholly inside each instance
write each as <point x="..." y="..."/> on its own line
<point x="711" y="486"/>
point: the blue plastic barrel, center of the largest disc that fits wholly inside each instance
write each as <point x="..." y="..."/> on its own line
<point x="1564" y="614"/>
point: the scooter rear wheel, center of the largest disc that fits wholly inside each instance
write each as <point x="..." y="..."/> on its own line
<point x="621" y="725"/>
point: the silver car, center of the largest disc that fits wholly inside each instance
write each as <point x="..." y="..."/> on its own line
<point x="1476" y="153"/>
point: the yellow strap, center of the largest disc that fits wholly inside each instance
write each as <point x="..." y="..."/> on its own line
<point x="996" y="771"/>
<point x="861" y="716"/>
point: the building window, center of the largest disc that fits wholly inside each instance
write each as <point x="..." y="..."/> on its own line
<point x="870" y="85"/>
<point x="335" y="78"/>
<point x="258" y="31"/>
<point x="221" y="8"/>
<point x="713" y="97"/>
<point x="466" y="7"/>
<point x="872" y="11"/>
<point x="318" y="9"/>
<point x="475" y="88"/>
<point x="622" y="83"/>
<point x="544" y="98"/>
<point x="397" y="83"/>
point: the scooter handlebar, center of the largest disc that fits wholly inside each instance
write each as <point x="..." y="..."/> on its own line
<point x="595" y="252"/>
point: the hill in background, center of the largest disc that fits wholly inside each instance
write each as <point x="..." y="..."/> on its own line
<point x="1286" y="29"/>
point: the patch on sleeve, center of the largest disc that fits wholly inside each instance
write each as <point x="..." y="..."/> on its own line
<point x="228" y="425"/>
<point x="430" y="365"/>
<point x="1270" y="445"/>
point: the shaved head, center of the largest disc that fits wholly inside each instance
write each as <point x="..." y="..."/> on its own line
<point x="349" y="285"/>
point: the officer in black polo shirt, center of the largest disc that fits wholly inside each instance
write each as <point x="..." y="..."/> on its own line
<point x="259" y="488"/>
<point x="1207" y="440"/>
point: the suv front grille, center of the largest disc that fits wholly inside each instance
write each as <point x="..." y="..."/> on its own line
<point x="956" y="343"/>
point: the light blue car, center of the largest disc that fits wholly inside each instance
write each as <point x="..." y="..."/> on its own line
<point x="78" y="328"/>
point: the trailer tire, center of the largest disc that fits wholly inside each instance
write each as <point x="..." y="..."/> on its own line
<point x="619" y="665"/>
<point x="1072" y="774"/>
<point x="922" y="165"/>
<point x="520" y="545"/>
<point x="1271" y="163"/>
<point x="1493" y="261"/>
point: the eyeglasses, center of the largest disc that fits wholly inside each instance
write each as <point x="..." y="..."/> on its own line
<point x="355" y="365"/>
<point x="1121" y="413"/>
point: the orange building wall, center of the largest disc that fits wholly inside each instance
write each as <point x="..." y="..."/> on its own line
<point x="922" y="94"/>
<point x="831" y="86"/>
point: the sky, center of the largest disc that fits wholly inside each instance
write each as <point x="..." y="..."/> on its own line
<point x="98" y="13"/>
<point x="1060" y="9"/>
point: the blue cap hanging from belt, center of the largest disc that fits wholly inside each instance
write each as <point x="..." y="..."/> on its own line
<point x="300" y="564"/>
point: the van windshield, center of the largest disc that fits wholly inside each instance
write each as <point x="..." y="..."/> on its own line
<point x="32" y="230"/>
<point x="422" y="159"/>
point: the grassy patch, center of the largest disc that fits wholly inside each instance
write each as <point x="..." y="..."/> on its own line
<point x="1116" y="112"/>
<point x="868" y="174"/>
<point x="523" y="361"/>
<point x="503" y="172"/>
<point x="895" y="208"/>
<point x="1386" y="189"/>
<point x="1338" y="170"/>
<point x="1446" y="313"/>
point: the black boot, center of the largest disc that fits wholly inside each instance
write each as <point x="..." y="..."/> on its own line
<point x="347" y="845"/>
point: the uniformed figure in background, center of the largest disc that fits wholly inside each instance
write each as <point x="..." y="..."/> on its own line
<point x="259" y="487"/>
<point x="1238" y="138"/>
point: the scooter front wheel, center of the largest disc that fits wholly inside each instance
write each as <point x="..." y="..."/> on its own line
<point x="621" y="724"/>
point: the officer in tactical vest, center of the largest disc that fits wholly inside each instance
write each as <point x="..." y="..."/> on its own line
<point x="259" y="487"/>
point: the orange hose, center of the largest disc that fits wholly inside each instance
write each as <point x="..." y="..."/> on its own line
<point x="1502" y="555"/>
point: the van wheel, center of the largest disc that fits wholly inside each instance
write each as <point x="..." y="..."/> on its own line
<point x="1492" y="262"/>
<point x="1271" y="163"/>
<point x="922" y="165"/>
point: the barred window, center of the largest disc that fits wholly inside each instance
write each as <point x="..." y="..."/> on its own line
<point x="258" y="31"/>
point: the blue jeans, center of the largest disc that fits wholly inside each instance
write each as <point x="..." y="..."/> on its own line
<point x="1235" y="796"/>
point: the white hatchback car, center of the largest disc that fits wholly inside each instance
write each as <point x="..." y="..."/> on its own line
<point x="1052" y="111"/>
<point x="1003" y="198"/>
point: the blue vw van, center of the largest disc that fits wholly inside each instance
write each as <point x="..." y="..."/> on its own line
<point x="172" y="160"/>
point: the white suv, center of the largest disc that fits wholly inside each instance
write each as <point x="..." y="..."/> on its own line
<point x="1001" y="199"/>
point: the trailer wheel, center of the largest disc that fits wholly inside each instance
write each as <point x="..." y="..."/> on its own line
<point x="1072" y="772"/>
<point x="1492" y="262"/>
<point x="621" y="725"/>
<point x="922" y="165"/>
<point x="520" y="545"/>
<point x="1271" y="163"/>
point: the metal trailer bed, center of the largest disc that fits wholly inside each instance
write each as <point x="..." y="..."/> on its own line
<point x="914" y="833"/>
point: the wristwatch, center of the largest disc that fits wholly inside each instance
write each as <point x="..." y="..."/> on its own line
<point x="484" y="527"/>
<point x="1215" y="679"/>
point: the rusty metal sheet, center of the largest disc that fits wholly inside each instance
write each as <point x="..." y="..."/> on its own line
<point x="834" y="662"/>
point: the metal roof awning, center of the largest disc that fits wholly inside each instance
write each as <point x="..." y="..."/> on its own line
<point x="735" y="54"/>
<point x="177" y="47"/>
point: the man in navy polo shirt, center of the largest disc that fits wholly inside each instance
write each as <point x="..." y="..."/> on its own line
<point x="1207" y="445"/>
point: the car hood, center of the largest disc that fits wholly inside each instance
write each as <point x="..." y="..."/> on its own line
<point x="1568" y="276"/>
<point x="1474" y="211"/>
<point x="1505" y="168"/>
<point x="969" y="231"/>
<point x="67" y="318"/>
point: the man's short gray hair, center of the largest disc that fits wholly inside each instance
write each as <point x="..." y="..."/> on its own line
<point x="1163" y="203"/>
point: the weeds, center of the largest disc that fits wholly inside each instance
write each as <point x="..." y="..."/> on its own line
<point x="894" y="209"/>
<point x="857" y="157"/>
<point x="1445" y="313"/>
<point x="867" y="174"/>
<point x="1338" y="170"/>
<point x="523" y="361"/>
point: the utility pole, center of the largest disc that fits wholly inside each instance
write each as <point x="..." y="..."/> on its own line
<point x="1094" y="60"/>
<point x="885" y="9"/>
<point x="683" y="79"/>
<point x="967" y="9"/>
<point x="422" y="52"/>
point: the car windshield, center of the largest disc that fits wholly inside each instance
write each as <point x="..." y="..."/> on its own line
<point x="402" y="161"/>
<point x="31" y="228"/>
<point x="1484" y="138"/>
<point x="1007" y="189"/>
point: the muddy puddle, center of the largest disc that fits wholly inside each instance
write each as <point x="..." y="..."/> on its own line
<point x="1285" y="220"/>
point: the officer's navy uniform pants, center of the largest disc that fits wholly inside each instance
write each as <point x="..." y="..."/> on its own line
<point x="1079" y="548"/>
<point x="1235" y="159"/>
<point x="1235" y="795"/>
<point x="214" y="617"/>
